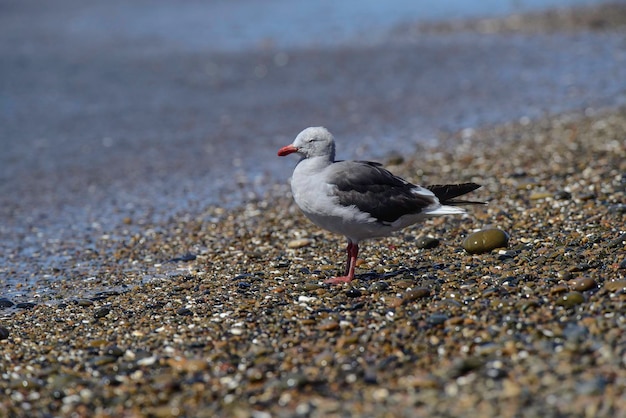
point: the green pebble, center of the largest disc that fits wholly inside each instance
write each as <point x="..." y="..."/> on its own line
<point x="570" y="299"/>
<point x="485" y="241"/>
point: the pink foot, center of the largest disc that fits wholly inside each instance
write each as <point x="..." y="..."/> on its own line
<point x="353" y="251"/>
<point x="338" y="280"/>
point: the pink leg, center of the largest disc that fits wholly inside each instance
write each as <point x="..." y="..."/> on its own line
<point x="353" y="252"/>
<point x="348" y="257"/>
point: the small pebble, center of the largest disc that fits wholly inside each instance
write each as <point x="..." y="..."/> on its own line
<point x="485" y="241"/>
<point x="571" y="299"/>
<point x="582" y="283"/>
<point x="507" y="255"/>
<point x="102" y="360"/>
<point x="353" y="292"/>
<point x="102" y="312"/>
<point x="311" y="286"/>
<point x="616" y="285"/>
<point x="580" y="267"/>
<point x="415" y="294"/>
<point x="437" y="318"/>
<point x="114" y="351"/>
<point x="4" y="333"/>
<point x="587" y="196"/>
<point x="619" y="208"/>
<point x="379" y="286"/>
<point x="426" y="242"/>
<point x="562" y="195"/>
<point x="540" y="195"/>
<point x="147" y="361"/>
<point x="5" y="303"/>
<point x="236" y="330"/>
<point x="329" y="325"/>
<point x="299" y="243"/>
<point x="618" y="242"/>
<point x="462" y="366"/>
<point x="84" y="302"/>
<point x="184" y="311"/>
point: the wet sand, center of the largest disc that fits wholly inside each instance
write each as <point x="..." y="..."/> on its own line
<point x="221" y="311"/>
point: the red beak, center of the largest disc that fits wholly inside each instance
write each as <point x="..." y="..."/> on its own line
<point x="286" y="150"/>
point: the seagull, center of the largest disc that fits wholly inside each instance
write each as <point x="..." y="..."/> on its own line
<point x="361" y="199"/>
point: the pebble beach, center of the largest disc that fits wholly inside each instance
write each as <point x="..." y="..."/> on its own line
<point x="223" y="312"/>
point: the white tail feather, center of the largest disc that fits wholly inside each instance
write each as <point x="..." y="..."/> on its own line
<point x="446" y="210"/>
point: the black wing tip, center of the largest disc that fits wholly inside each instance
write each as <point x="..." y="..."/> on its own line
<point x="450" y="191"/>
<point x="446" y="193"/>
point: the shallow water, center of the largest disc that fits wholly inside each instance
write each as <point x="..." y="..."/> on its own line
<point x="147" y="110"/>
<point x="228" y="25"/>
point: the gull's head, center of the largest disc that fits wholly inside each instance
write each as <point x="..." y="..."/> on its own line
<point x="312" y="142"/>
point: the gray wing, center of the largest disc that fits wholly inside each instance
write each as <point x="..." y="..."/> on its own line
<point x="376" y="191"/>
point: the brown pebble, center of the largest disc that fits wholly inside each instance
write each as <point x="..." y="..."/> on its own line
<point x="97" y="343"/>
<point x="414" y="294"/>
<point x="587" y="196"/>
<point x="404" y="283"/>
<point x="425" y="381"/>
<point x="299" y="243"/>
<point x="582" y="283"/>
<point x="615" y="285"/>
<point x="329" y="325"/>
<point x="187" y="365"/>
<point x="395" y="302"/>
<point x="347" y="340"/>
<point x="539" y="195"/>
<point x="561" y="288"/>
<point x="455" y="320"/>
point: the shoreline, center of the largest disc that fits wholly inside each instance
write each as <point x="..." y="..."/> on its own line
<point x="243" y="325"/>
